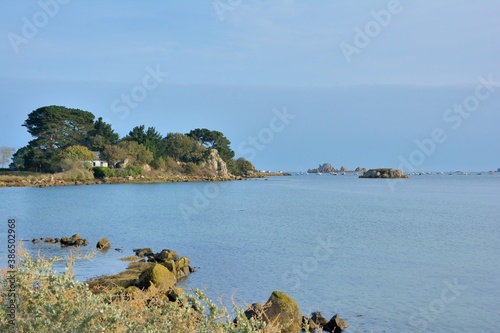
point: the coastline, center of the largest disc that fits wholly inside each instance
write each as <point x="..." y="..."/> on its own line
<point x="48" y="180"/>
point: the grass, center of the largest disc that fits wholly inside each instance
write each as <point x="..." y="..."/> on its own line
<point x="50" y="302"/>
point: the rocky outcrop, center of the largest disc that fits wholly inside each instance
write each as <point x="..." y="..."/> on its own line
<point x="336" y="324"/>
<point x="383" y="173"/>
<point x="74" y="240"/>
<point x="280" y="309"/>
<point x="215" y="164"/>
<point x="103" y="244"/>
<point x="325" y="168"/>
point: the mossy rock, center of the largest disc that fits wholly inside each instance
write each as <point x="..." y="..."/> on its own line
<point x="281" y="309"/>
<point x="171" y="266"/>
<point x="103" y="244"/>
<point x="183" y="262"/>
<point x="158" y="275"/>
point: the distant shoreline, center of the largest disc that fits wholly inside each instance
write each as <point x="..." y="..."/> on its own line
<point x="48" y="180"/>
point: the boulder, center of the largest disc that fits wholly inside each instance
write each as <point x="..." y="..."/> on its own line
<point x="336" y="324"/>
<point x="48" y="240"/>
<point x="281" y="309"/>
<point x="143" y="252"/>
<point x="35" y="241"/>
<point x="165" y="255"/>
<point x="158" y="275"/>
<point x="256" y="310"/>
<point x="103" y="244"/>
<point x="74" y="240"/>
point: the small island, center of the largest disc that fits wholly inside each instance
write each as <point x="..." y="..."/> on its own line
<point x="383" y="173"/>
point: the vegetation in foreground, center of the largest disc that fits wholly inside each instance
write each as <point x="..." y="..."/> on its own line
<point x="50" y="302"/>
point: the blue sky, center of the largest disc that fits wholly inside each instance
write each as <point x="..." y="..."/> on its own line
<point x="292" y="84"/>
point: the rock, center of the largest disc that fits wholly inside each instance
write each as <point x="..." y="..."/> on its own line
<point x="118" y="250"/>
<point x="283" y="310"/>
<point x="215" y="163"/>
<point x="103" y="244"/>
<point x="325" y="168"/>
<point x="383" y="173"/>
<point x="48" y="240"/>
<point x="256" y="310"/>
<point x="171" y="266"/>
<point x="143" y="252"/>
<point x="183" y="262"/>
<point x="336" y="324"/>
<point x="158" y="275"/>
<point x="317" y="318"/>
<point x="308" y="325"/>
<point x="165" y="255"/>
<point x="74" y="240"/>
<point x="35" y="241"/>
<point x="174" y="293"/>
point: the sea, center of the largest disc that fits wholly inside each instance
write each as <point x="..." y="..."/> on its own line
<point x="403" y="255"/>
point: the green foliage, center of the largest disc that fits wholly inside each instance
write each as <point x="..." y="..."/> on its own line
<point x="214" y="139"/>
<point x="184" y="148"/>
<point x="77" y="153"/>
<point x="58" y="127"/>
<point x="190" y="168"/>
<point x="54" y="128"/>
<point x="101" y="135"/>
<point x="102" y="172"/>
<point x="242" y="167"/>
<point x="50" y="302"/>
<point x="159" y="164"/>
<point x="150" y="138"/>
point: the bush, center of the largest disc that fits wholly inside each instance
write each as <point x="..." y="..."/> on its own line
<point x="50" y="302"/>
<point x="190" y="168"/>
<point x="102" y="172"/>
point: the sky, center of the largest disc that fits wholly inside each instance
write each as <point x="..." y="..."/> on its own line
<point x="404" y="84"/>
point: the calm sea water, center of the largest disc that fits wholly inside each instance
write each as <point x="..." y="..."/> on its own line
<point x="417" y="255"/>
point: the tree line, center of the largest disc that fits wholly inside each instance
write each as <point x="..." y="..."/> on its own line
<point x="62" y="134"/>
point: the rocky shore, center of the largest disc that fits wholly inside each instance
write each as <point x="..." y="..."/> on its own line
<point x="160" y="271"/>
<point x="47" y="180"/>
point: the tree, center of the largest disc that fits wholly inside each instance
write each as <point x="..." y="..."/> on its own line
<point x="184" y="148"/>
<point x="150" y="138"/>
<point x="5" y="155"/>
<point x="77" y="153"/>
<point x="54" y="128"/>
<point x="136" y="154"/>
<point x="101" y="135"/>
<point x="243" y="167"/>
<point x="214" y="139"/>
<point x="58" y="127"/>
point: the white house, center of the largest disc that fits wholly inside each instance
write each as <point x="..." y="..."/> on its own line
<point x="97" y="162"/>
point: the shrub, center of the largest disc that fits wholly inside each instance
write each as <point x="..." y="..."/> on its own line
<point x="50" y="302"/>
<point x="102" y="172"/>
